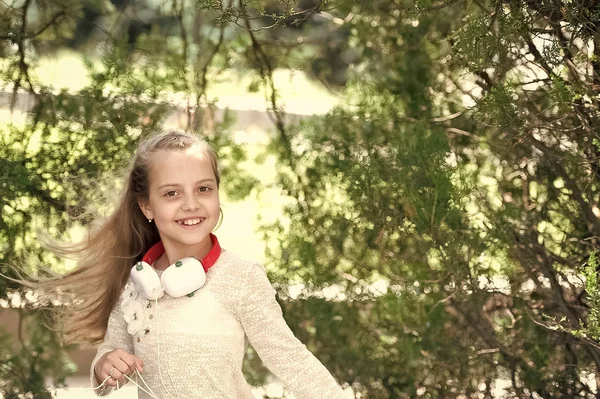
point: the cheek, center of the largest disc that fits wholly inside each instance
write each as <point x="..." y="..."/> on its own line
<point x="162" y="208"/>
<point x="217" y="206"/>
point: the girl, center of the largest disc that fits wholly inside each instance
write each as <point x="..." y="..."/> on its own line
<point x="147" y="304"/>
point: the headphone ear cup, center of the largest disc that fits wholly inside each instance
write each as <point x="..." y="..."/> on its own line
<point x="184" y="277"/>
<point x="146" y="281"/>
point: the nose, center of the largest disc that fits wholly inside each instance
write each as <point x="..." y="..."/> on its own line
<point x="190" y="203"/>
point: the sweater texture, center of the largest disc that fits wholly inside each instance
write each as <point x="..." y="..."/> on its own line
<point x="193" y="347"/>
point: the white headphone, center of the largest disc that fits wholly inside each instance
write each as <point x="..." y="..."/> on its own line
<point x="184" y="277"/>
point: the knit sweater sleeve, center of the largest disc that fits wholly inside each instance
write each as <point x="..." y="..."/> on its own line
<point x="116" y="337"/>
<point x="281" y="352"/>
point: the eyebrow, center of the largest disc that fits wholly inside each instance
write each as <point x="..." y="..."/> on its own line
<point x="207" y="180"/>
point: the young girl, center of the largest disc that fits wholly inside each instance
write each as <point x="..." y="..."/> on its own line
<point x="182" y="325"/>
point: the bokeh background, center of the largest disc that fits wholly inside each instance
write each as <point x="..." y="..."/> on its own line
<point x="419" y="177"/>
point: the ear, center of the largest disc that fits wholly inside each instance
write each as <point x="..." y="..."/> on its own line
<point x="145" y="208"/>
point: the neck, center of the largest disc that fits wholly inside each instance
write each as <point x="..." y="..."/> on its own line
<point x="199" y="251"/>
<point x="162" y="255"/>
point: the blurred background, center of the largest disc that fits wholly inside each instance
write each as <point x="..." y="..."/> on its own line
<point x="419" y="177"/>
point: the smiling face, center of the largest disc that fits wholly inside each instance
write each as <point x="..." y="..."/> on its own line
<point x="183" y="200"/>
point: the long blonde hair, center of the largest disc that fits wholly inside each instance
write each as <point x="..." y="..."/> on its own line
<point x="106" y="255"/>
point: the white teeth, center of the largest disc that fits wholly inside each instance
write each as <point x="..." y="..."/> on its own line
<point x="191" y="222"/>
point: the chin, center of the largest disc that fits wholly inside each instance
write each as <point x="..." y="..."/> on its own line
<point x="196" y="239"/>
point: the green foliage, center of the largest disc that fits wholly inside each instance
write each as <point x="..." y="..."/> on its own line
<point x="592" y="327"/>
<point x="25" y="367"/>
<point x="57" y="164"/>
<point x="445" y="205"/>
<point x="455" y="165"/>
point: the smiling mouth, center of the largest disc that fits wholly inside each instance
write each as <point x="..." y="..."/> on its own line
<point x="191" y="222"/>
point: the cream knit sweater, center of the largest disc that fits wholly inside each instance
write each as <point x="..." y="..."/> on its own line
<point x="198" y="348"/>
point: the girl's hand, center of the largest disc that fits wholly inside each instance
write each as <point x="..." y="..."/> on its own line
<point x="116" y="364"/>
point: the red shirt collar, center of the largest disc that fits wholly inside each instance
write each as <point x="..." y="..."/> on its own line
<point x="207" y="262"/>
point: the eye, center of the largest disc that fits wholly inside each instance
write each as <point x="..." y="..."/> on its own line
<point x="171" y="193"/>
<point x="204" y="189"/>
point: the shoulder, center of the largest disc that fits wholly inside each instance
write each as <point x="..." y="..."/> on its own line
<point x="235" y="263"/>
<point x="242" y="270"/>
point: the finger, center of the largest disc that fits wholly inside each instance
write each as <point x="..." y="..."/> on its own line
<point x="107" y="373"/>
<point x="139" y="364"/>
<point x="131" y="363"/>
<point x="121" y="368"/>
<point x="121" y="357"/>
<point x="110" y="381"/>
<point x="128" y="358"/>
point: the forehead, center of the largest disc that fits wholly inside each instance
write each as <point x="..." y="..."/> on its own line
<point x="175" y="165"/>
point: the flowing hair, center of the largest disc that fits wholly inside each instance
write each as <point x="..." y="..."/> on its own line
<point x="106" y="255"/>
